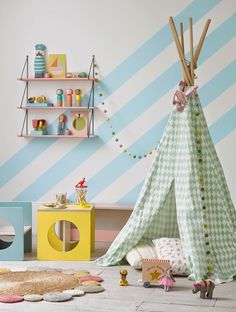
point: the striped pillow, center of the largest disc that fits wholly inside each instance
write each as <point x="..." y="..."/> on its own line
<point x="140" y="252"/>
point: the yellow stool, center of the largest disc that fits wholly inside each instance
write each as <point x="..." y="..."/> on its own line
<point x="50" y="247"/>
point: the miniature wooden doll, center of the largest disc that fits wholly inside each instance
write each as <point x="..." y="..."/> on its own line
<point x="78" y="93"/>
<point x="59" y="97"/>
<point x="167" y="280"/>
<point x="123" y="281"/>
<point x="61" y="124"/>
<point x="69" y="93"/>
<point x="39" y="61"/>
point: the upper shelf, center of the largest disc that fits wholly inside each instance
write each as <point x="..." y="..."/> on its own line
<point x="58" y="79"/>
<point x="75" y="108"/>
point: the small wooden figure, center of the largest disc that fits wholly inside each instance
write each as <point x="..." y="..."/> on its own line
<point x="123" y="281"/>
<point x="78" y="93"/>
<point x="167" y="280"/>
<point x="69" y="93"/>
<point x="59" y="97"/>
<point x="206" y="289"/>
<point x="39" y="61"/>
<point x="42" y="124"/>
<point x="61" y="124"/>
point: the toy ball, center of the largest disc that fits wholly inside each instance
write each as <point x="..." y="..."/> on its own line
<point x="82" y="75"/>
<point x="68" y="132"/>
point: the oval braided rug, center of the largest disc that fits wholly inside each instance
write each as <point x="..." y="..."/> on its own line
<point x="34" y="282"/>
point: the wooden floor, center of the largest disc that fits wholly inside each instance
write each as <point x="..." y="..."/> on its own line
<point x="125" y="299"/>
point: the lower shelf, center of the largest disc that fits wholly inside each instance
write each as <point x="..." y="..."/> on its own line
<point x="46" y="136"/>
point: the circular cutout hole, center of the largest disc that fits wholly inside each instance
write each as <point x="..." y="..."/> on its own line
<point x="63" y="236"/>
<point x="7" y="234"/>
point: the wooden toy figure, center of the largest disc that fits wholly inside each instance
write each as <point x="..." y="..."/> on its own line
<point x="41" y="124"/>
<point x="81" y="191"/>
<point x="78" y="93"/>
<point x="69" y="93"/>
<point x="206" y="288"/>
<point x="123" y="281"/>
<point x="39" y="61"/>
<point x="59" y="97"/>
<point x="61" y="124"/>
<point x="167" y="280"/>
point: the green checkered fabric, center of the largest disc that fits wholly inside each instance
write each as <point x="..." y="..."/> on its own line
<point x="185" y="195"/>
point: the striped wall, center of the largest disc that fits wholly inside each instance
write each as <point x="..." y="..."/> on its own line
<point x="139" y="67"/>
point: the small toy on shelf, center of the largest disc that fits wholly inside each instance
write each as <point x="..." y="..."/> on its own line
<point x="81" y="191"/>
<point x="60" y="199"/>
<point x="167" y="281"/>
<point x="206" y="289"/>
<point x="69" y="75"/>
<point x="39" y="61"/>
<point x="59" y="97"/>
<point x="78" y="94"/>
<point x="47" y="75"/>
<point x="39" y="126"/>
<point x="61" y="124"/>
<point x="123" y="281"/>
<point x="83" y="75"/>
<point x="69" y="93"/>
<point x="38" y="101"/>
<point x="68" y="132"/>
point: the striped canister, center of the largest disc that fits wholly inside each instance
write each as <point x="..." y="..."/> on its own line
<point x="39" y="61"/>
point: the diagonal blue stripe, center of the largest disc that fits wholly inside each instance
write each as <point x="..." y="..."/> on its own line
<point x="155" y="45"/>
<point x="116" y="78"/>
<point x="219" y="130"/>
<point x="79" y="154"/>
<point x="120" y="164"/>
<point x="131" y="196"/>
<point x="223" y="126"/>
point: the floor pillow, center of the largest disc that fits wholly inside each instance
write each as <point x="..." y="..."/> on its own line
<point x="171" y="249"/>
<point x="140" y="252"/>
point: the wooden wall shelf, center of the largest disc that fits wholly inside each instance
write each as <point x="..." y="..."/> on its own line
<point x="58" y="79"/>
<point x="47" y="136"/>
<point x="73" y="108"/>
<point x="88" y="110"/>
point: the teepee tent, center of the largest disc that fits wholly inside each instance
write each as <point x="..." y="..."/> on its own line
<point x="185" y="193"/>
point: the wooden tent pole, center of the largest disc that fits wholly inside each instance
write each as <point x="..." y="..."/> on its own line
<point x="200" y="44"/>
<point x="191" y="48"/>
<point x="187" y="76"/>
<point x="182" y="39"/>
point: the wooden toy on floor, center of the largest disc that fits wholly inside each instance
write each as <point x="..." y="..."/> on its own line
<point x="167" y="281"/>
<point x="153" y="270"/>
<point x="206" y="289"/>
<point x="123" y="281"/>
